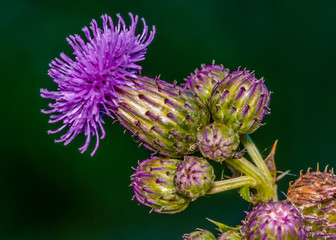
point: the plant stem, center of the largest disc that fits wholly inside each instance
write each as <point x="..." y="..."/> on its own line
<point x="233" y="183"/>
<point x="255" y="155"/>
<point x="263" y="187"/>
<point x="245" y="166"/>
<point x="259" y="162"/>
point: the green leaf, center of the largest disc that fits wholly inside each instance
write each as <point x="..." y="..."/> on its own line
<point x="223" y="227"/>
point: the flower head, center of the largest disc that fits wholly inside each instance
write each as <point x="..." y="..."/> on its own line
<point x="240" y="101"/>
<point x="194" y="176"/>
<point x="164" y="116"/>
<point x="217" y="141"/>
<point x="153" y="183"/>
<point x="274" y="220"/>
<point x="86" y="85"/>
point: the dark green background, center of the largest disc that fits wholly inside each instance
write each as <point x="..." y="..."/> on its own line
<point x="49" y="191"/>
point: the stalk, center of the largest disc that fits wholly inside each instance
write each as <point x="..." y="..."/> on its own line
<point x="259" y="162"/>
<point x="264" y="188"/>
<point x="233" y="183"/>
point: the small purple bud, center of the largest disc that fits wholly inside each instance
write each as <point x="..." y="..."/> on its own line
<point x="217" y="141"/>
<point x="153" y="183"/>
<point x="194" y="176"/>
<point x="274" y="220"/>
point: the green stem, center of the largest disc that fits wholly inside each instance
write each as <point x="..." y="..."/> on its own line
<point x="245" y="166"/>
<point x="264" y="187"/>
<point x="259" y="162"/>
<point x="255" y="155"/>
<point x="233" y="183"/>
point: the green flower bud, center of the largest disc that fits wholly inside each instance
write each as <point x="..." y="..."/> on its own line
<point x="194" y="176"/>
<point x="153" y="183"/>
<point x="203" y="80"/>
<point x="230" y="235"/>
<point x="240" y="101"/>
<point x="314" y="195"/>
<point x="200" y="234"/>
<point x="217" y="141"/>
<point x="164" y="116"/>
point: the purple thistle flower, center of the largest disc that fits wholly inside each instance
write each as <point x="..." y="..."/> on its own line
<point x="274" y="220"/>
<point x="86" y="85"/>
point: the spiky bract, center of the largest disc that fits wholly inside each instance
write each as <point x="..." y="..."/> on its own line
<point x="274" y="220"/>
<point x="202" y="81"/>
<point x="200" y="234"/>
<point x="314" y="194"/>
<point x="217" y="141"/>
<point x="153" y="183"/>
<point x="240" y="101"/>
<point x="164" y="116"/>
<point x="194" y="176"/>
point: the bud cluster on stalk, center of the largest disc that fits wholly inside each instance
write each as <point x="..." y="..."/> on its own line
<point x="174" y="122"/>
<point x="168" y="185"/>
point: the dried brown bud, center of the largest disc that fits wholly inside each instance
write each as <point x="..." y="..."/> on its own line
<point x="313" y="187"/>
<point x="314" y="194"/>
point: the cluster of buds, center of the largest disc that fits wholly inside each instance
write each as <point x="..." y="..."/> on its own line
<point x="209" y="116"/>
<point x="174" y="122"/>
<point x="168" y="185"/>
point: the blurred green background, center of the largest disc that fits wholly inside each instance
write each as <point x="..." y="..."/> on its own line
<point x="49" y="191"/>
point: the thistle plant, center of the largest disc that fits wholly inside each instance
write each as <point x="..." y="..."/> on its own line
<point x="187" y="129"/>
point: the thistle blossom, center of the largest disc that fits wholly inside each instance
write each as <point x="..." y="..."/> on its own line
<point x="86" y="85"/>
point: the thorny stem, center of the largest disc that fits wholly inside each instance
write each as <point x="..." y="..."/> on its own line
<point x="233" y="183"/>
